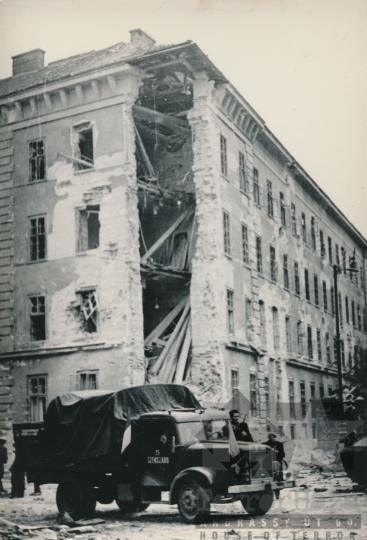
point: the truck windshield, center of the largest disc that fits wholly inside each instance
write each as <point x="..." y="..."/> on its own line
<point x="203" y="431"/>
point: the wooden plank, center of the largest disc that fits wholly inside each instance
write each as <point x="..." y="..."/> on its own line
<point x="164" y="236"/>
<point x="165" y="322"/>
<point x="181" y="364"/>
<point x="171" y="365"/>
<point x="144" y="155"/>
<point x="171" y="340"/>
<point x="142" y="113"/>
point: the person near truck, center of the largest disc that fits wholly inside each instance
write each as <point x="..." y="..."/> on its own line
<point x="240" y="429"/>
<point x="3" y="460"/>
<point x="279" y="456"/>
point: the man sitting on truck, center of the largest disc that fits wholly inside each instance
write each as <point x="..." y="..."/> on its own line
<point x="240" y="429"/>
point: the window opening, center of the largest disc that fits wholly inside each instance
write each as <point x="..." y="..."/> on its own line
<point x="256" y="188"/>
<point x="288" y="334"/>
<point x="313" y="233"/>
<point x="300" y="334"/>
<point x="259" y="258"/>
<point x="307" y="285"/>
<point x="319" y="349"/>
<point x="304" y="229"/>
<point x="309" y="342"/>
<point x="332" y="300"/>
<point x="245" y="253"/>
<point x="303" y="399"/>
<point x="327" y="344"/>
<point x="321" y="390"/>
<point x="316" y="289"/>
<point x="294" y="219"/>
<point x="324" y="295"/>
<point x="273" y="265"/>
<point x="283" y="217"/>
<point x="242" y="171"/>
<point x="89" y="309"/>
<point x="253" y="394"/>
<point x="37" y="238"/>
<point x="270" y="198"/>
<point x="276" y="337"/>
<point x="38" y="318"/>
<point x="285" y="272"/>
<point x="322" y="245"/>
<point x="230" y="311"/>
<point x="262" y="323"/>
<point x="330" y="249"/>
<point x="292" y="407"/>
<point x="88" y="381"/>
<point x="297" y="288"/>
<point x="226" y="232"/>
<point x="89" y="227"/>
<point x="37" y="161"/>
<point x="223" y="156"/>
<point x="37" y="396"/>
<point x="83" y="148"/>
<point x="267" y="394"/>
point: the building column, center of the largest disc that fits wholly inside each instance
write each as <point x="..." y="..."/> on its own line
<point x="207" y="283"/>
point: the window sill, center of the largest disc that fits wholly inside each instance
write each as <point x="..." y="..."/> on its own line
<point x="29" y="183"/>
<point x="225" y="177"/>
<point x="35" y="262"/>
<point x="228" y="256"/>
<point x="245" y="193"/>
<point x="83" y="171"/>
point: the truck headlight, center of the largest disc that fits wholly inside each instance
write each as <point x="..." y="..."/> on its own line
<point x="276" y="466"/>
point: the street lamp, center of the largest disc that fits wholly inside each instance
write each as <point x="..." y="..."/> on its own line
<point x="337" y="270"/>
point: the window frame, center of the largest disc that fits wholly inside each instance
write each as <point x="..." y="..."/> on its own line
<point x="223" y="156"/>
<point x="285" y="272"/>
<point x="33" y="417"/>
<point x="38" y="314"/>
<point x="37" y="257"/>
<point x="226" y="233"/>
<point x="242" y="172"/>
<point x="256" y="186"/>
<point x="269" y="198"/>
<point x="78" y="166"/>
<point x="230" y="311"/>
<point x="43" y="160"/>
<point x="245" y="244"/>
<point x="259" y="257"/>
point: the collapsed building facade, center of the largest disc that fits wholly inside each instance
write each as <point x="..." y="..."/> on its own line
<point x="154" y="229"/>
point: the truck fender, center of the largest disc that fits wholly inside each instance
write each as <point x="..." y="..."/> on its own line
<point x="201" y="474"/>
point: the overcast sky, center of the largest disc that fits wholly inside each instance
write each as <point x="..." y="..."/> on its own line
<point x="302" y="64"/>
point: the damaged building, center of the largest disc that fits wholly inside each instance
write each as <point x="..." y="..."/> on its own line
<point x="152" y="228"/>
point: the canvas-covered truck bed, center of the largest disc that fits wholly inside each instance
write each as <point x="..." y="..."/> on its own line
<point x="84" y="430"/>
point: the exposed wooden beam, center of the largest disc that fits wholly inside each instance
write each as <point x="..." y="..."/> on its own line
<point x="148" y="115"/>
<point x="144" y="154"/>
<point x="164" y="324"/>
<point x="167" y="234"/>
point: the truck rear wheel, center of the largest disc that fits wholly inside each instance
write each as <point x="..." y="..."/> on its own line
<point x="259" y="503"/>
<point x="193" y="501"/>
<point x="75" y="498"/>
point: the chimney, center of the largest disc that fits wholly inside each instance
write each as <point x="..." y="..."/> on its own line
<point x="140" y="39"/>
<point x="29" y="61"/>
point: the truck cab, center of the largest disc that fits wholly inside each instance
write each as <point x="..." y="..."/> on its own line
<point x="188" y="454"/>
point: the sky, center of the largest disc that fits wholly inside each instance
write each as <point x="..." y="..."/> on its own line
<point x="301" y="64"/>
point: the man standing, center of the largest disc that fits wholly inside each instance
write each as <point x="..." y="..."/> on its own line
<point x="277" y="446"/>
<point x="3" y="460"/>
<point x="240" y="429"/>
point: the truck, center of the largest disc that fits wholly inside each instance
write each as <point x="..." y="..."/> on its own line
<point x="134" y="445"/>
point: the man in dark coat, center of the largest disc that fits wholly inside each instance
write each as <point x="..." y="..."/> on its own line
<point x="277" y="446"/>
<point x="240" y="429"/>
<point x="3" y="460"/>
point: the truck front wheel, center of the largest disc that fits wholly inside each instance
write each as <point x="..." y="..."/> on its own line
<point x="193" y="501"/>
<point x="75" y="498"/>
<point x="259" y="503"/>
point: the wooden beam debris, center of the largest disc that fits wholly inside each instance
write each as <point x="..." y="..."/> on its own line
<point x="167" y="234"/>
<point x="170" y="122"/>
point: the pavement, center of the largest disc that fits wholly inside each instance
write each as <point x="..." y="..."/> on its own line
<point x="323" y="506"/>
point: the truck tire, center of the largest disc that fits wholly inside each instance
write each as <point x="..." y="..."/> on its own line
<point x="259" y="503"/>
<point x="131" y="507"/>
<point x="75" y="498"/>
<point x="193" y="501"/>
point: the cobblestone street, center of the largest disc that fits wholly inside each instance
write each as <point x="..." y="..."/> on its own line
<point x="318" y="508"/>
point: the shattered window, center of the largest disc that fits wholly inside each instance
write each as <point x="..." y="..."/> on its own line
<point x="89" y="226"/>
<point x="37" y="161"/>
<point x="89" y="310"/>
<point x="37" y="397"/>
<point x="38" y="318"/>
<point x="37" y="238"/>
<point x="83" y="147"/>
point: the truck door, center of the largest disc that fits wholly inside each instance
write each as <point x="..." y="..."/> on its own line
<point x="158" y="440"/>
